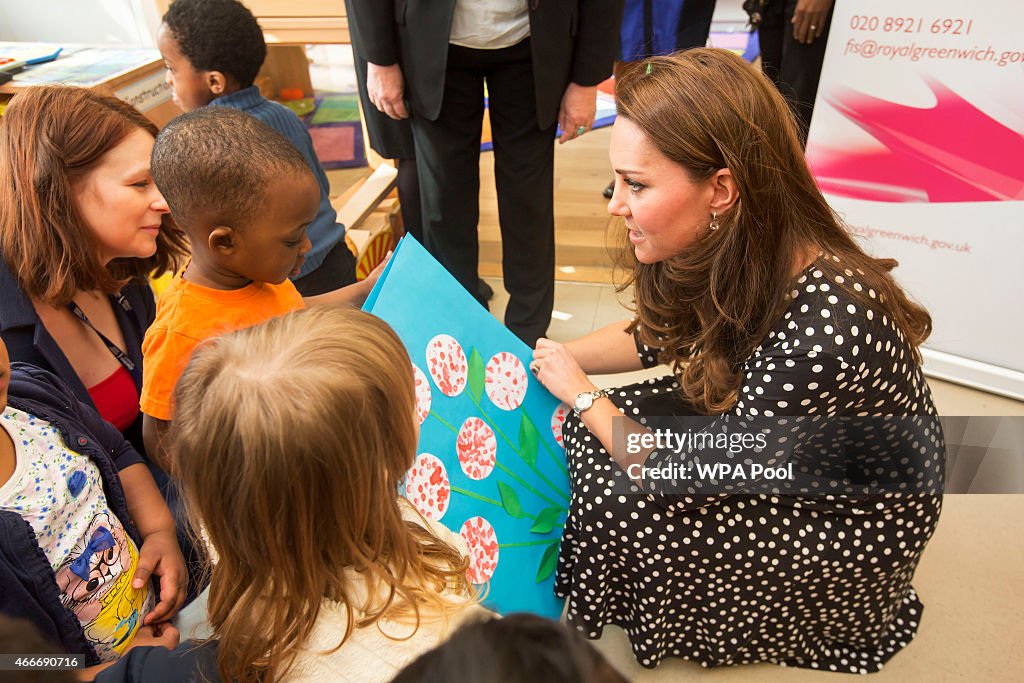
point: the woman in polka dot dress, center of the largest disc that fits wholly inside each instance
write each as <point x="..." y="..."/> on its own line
<point x="749" y="288"/>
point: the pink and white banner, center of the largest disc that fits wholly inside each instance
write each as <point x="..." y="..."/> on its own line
<point x="918" y="141"/>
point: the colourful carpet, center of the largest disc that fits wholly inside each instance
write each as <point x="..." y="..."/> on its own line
<point x="332" y="120"/>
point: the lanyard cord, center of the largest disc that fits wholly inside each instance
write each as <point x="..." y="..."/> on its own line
<point x="120" y="355"/>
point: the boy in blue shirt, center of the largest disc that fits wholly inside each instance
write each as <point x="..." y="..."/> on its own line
<point x="213" y="50"/>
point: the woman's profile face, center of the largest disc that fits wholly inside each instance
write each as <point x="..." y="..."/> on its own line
<point x="664" y="210"/>
<point x="119" y="201"/>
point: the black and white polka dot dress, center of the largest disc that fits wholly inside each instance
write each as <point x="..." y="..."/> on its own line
<point x="811" y="581"/>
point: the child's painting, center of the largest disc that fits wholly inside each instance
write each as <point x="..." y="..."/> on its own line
<point x="490" y="464"/>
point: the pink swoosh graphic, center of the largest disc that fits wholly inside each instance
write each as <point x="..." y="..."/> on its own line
<point x="952" y="152"/>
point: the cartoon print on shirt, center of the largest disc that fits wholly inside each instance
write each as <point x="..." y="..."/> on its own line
<point x="95" y="583"/>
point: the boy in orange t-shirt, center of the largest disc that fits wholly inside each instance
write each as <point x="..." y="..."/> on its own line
<point x="245" y="196"/>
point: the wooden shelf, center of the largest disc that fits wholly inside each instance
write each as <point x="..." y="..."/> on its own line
<point x="295" y="22"/>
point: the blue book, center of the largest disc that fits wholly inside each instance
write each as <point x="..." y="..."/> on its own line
<point x="490" y="464"/>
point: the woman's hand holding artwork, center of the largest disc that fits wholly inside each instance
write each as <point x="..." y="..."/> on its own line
<point x="557" y="369"/>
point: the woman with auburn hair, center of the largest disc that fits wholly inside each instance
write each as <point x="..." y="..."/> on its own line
<point x="780" y="515"/>
<point x="82" y="227"/>
<point x="290" y="440"/>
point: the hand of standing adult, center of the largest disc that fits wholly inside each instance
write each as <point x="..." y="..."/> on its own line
<point x="386" y="88"/>
<point x="809" y="19"/>
<point x="576" y="114"/>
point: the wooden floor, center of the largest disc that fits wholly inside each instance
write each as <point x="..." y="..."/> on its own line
<point x="582" y="223"/>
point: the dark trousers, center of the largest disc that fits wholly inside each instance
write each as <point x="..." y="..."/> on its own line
<point x="695" y="24"/>
<point x="337" y="270"/>
<point x="794" y="67"/>
<point x="448" y="162"/>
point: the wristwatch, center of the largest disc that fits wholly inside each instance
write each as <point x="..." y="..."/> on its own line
<point x="586" y="399"/>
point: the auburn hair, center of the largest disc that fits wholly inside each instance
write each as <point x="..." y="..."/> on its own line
<point x="50" y="137"/>
<point x="290" y="439"/>
<point x="709" y="307"/>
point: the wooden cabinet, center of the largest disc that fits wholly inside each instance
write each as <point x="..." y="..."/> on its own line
<point x="297" y="22"/>
<point x="287" y="26"/>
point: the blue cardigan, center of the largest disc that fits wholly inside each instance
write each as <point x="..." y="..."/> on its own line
<point x="28" y="586"/>
<point x="28" y="341"/>
<point x="325" y="231"/>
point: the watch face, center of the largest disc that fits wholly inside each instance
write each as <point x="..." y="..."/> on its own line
<point x="583" y="401"/>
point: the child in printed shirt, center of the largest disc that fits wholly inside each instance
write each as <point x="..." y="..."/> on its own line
<point x="213" y="50"/>
<point x="290" y="440"/>
<point x="245" y="197"/>
<point x="82" y="522"/>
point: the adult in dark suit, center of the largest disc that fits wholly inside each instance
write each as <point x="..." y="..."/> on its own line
<point x="390" y="138"/>
<point x="542" y="61"/>
<point x="793" y="35"/>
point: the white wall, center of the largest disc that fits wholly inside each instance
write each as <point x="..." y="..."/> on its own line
<point x="134" y="22"/>
<point x="96" y="22"/>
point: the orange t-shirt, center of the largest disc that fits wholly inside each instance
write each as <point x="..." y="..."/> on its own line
<point x="188" y="314"/>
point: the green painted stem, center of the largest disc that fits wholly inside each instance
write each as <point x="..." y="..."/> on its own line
<point x="485" y="499"/>
<point x="527" y="486"/>
<point x="547" y="481"/>
<point x="505" y="469"/>
<point x="444" y="422"/>
<point x="558" y="461"/>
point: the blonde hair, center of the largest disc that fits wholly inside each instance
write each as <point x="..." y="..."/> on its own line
<point x="289" y="440"/>
<point x="708" y="307"/>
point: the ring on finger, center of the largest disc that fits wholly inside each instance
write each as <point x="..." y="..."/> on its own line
<point x="535" y="367"/>
<point x="580" y="130"/>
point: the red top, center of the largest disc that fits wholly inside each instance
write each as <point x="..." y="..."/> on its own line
<point x="116" y="399"/>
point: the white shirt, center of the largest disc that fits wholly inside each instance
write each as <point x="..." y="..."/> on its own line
<point x="489" y="24"/>
<point x="378" y="652"/>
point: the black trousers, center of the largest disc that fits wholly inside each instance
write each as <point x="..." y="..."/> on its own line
<point x="448" y="162"/>
<point x="695" y="24"/>
<point x="337" y="270"/>
<point x="794" y="67"/>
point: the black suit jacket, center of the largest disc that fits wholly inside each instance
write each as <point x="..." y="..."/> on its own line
<point x="571" y="41"/>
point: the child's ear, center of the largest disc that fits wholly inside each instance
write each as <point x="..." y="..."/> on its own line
<point x="217" y="82"/>
<point x="223" y="240"/>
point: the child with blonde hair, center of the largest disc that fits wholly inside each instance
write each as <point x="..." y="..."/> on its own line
<point x="290" y="440"/>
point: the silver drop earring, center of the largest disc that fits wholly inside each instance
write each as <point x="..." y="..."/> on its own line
<point x="714" y="221"/>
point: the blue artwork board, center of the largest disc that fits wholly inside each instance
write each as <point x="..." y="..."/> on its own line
<point x="490" y="465"/>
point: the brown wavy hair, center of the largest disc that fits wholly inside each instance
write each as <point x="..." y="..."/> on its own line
<point x="710" y="306"/>
<point x="289" y="440"/>
<point x="50" y="137"/>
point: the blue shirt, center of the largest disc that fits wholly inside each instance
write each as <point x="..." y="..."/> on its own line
<point x="325" y="231"/>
